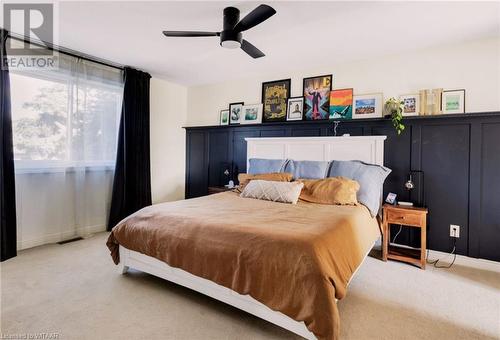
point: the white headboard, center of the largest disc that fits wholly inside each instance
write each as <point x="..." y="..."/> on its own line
<point x="369" y="149"/>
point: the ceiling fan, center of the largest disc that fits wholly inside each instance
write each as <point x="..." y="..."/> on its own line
<point x="231" y="36"/>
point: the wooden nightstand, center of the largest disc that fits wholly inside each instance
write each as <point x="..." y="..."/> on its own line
<point x="216" y="190"/>
<point x="407" y="216"/>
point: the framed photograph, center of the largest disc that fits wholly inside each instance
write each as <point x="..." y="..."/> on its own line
<point x="391" y="198"/>
<point x="274" y="97"/>
<point x="224" y="117"/>
<point x="453" y="101"/>
<point x="341" y="104"/>
<point x="367" y="106"/>
<point x="235" y="113"/>
<point x="411" y="104"/>
<point x="251" y="114"/>
<point x="295" y="108"/>
<point x="316" y="91"/>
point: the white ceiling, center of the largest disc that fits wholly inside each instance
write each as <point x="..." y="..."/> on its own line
<point x="299" y="36"/>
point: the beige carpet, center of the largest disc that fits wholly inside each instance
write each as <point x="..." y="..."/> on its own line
<point x="75" y="291"/>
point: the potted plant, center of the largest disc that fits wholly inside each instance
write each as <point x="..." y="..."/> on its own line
<point x="393" y="108"/>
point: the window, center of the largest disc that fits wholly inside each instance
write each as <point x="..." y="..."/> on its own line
<point x="65" y="126"/>
<point x="67" y="117"/>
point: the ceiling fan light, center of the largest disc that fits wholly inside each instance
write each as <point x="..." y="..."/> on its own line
<point x="231" y="44"/>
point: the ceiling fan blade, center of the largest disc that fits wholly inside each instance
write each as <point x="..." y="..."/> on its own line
<point x="251" y="50"/>
<point x="255" y="17"/>
<point x="190" y="34"/>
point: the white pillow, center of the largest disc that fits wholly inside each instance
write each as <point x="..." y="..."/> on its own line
<point x="285" y="192"/>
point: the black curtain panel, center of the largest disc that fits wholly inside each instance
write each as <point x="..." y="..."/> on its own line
<point x="132" y="181"/>
<point x="7" y="185"/>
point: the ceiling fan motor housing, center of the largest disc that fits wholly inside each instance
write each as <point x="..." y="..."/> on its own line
<point x="228" y="37"/>
<point x="231" y="36"/>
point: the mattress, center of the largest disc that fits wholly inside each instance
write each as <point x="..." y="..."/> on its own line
<point x="296" y="259"/>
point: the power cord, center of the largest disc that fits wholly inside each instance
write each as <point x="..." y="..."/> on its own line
<point x="399" y="231"/>
<point x="435" y="262"/>
<point x="335" y="125"/>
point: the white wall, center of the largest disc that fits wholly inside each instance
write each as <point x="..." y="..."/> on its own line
<point x="168" y="144"/>
<point x="474" y="66"/>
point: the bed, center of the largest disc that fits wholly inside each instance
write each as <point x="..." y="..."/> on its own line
<point x="287" y="264"/>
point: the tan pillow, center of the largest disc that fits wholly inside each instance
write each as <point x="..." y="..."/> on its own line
<point x="332" y="190"/>
<point x="285" y="192"/>
<point x="244" y="179"/>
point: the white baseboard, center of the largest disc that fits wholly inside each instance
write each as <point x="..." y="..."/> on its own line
<point x="462" y="260"/>
<point x="85" y="231"/>
<point x="465" y="261"/>
<point x="58" y="237"/>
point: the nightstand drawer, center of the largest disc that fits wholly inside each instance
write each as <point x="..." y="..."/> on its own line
<point x="404" y="217"/>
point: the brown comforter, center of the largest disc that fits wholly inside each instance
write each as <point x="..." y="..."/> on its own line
<point x="295" y="259"/>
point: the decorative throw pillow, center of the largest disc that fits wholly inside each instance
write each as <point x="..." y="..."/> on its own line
<point x="244" y="179"/>
<point x="261" y="165"/>
<point x="307" y="169"/>
<point x="370" y="177"/>
<point x="285" y="192"/>
<point x="333" y="190"/>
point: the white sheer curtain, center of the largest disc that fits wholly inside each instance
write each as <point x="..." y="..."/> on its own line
<point x="65" y="126"/>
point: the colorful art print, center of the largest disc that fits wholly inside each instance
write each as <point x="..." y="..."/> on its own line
<point x="274" y="96"/>
<point x="235" y="112"/>
<point x="341" y="104"/>
<point x="453" y="102"/>
<point x="224" y="117"/>
<point x="251" y="114"/>
<point x="295" y="108"/>
<point x="411" y="104"/>
<point x="367" y="106"/>
<point x="316" y="92"/>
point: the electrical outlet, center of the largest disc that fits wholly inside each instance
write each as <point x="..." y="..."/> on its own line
<point x="454" y="230"/>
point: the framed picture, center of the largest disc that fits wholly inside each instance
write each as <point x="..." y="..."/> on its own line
<point x="453" y="101"/>
<point x="235" y="113"/>
<point x="224" y="117"/>
<point x="316" y="91"/>
<point x="251" y="114"/>
<point x="391" y="198"/>
<point x="367" y="106"/>
<point x="341" y="104"/>
<point x="295" y="108"/>
<point x="274" y="96"/>
<point x="411" y="104"/>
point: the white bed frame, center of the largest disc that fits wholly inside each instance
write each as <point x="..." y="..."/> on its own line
<point x="366" y="148"/>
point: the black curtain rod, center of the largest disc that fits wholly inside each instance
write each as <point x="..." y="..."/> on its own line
<point x="64" y="50"/>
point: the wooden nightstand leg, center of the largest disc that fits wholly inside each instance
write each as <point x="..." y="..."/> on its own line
<point x="423" y="242"/>
<point x="385" y="237"/>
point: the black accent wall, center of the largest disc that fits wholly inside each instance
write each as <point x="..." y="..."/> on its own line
<point x="459" y="154"/>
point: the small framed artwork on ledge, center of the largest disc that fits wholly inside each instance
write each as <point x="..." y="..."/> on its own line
<point x="224" y="117"/>
<point x="453" y="101"/>
<point x="251" y="114"/>
<point x="411" y="104"/>
<point x="235" y="113"/>
<point x="367" y="106"/>
<point x="295" y="108"/>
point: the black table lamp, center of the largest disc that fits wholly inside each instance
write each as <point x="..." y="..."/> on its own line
<point x="416" y="182"/>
